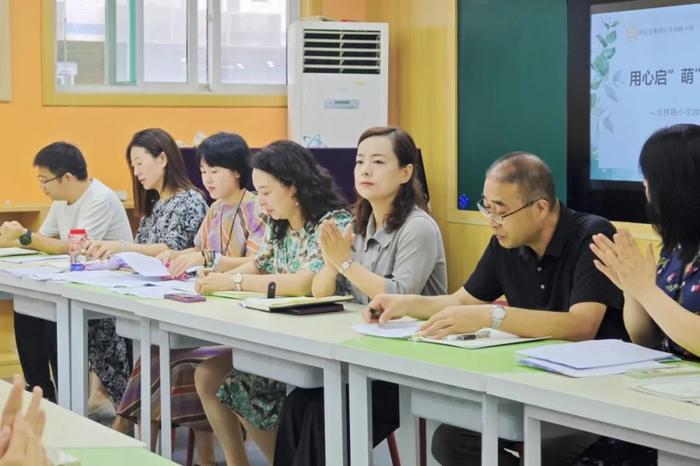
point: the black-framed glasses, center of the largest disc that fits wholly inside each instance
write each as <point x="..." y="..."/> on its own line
<point x="42" y="181"/>
<point x="500" y="218"/>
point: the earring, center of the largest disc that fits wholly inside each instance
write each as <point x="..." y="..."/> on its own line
<point x="296" y="203"/>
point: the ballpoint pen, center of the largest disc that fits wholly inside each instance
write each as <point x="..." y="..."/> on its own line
<point x="483" y="333"/>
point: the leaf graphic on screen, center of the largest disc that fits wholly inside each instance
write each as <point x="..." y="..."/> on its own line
<point x="608" y="124"/>
<point x="610" y="38"/>
<point x="617" y="77"/>
<point x="611" y="93"/>
<point x="602" y="41"/>
<point x="609" y="52"/>
<point x="601" y="65"/>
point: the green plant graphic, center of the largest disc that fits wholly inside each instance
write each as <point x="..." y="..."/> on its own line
<point x="603" y="88"/>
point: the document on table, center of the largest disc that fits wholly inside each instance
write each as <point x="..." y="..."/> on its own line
<point x="35" y="258"/>
<point x="679" y="388"/>
<point x="590" y="358"/>
<point x="37" y="273"/>
<point x="396" y="329"/>
<point x="5" y="252"/>
<point x="103" y="278"/>
<point x="150" y="292"/>
<point x="144" y="265"/>
<point x="407" y="329"/>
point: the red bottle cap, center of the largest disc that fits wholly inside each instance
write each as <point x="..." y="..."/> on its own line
<point x="78" y="231"/>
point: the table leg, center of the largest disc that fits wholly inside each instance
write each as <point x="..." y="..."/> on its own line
<point x="335" y="413"/>
<point x="360" y="417"/>
<point x="671" y="459"/>
<point x="489" y="431"/>
<point x="79" y="363"/>
<point x="63" y="343"/>
<point x="165" y="418"/>
<point x="533" y="440"/>
<point x="145" y="347"/>
<point x="407" y="436"/>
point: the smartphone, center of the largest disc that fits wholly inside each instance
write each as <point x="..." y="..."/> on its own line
<point x="185" y="298"/>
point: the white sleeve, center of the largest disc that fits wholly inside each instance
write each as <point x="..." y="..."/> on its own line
<point x="50" y="226"/>
<point x="95" y="218"/>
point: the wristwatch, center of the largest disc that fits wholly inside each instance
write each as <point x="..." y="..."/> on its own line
<point x="238" y="281"/>
<point x="26" y="238"/>
<point x="345" y="266"/>
<point x="498" y="312"/>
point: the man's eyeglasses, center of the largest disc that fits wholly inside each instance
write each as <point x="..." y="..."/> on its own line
<point x="499" y="218"/>
<point x="43" y="181"/>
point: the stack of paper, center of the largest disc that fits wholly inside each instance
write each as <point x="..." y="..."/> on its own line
<point x="7" y="252"/>
<point x="40" y="273"/>
<point x="144" y="265"/>
<point x="590" y="358"/>
<point x="682" y="389"/>
<point x="271" y="304"/>
<point x="408" y="329"/>
<point x="34" y="257"/>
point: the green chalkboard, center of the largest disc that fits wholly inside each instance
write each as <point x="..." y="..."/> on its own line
<point x="511" y="87"/>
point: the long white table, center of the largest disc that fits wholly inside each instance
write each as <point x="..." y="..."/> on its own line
<point x="436" y="382"/>
<point x="43" y="300"/>
<point x="606" y="406"/>
<point x="65" y="429"/>
<point x="297" y="350"/>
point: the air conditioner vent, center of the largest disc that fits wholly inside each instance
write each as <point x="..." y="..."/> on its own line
<point x="342" y="51"/>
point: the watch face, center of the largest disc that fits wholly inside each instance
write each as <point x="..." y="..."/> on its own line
<point x="498" y="312"/>
<point x="238" y="278"/>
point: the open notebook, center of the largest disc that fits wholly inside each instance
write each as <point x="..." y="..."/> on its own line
<point x="407" y="329"/>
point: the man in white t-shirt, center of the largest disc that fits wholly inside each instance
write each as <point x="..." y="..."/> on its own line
<point x="78" y="202"/>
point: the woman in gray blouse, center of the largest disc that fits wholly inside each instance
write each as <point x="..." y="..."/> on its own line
<point x="393" y="247"/>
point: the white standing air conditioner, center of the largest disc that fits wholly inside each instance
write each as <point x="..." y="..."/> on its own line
<point x="337" y="78"/>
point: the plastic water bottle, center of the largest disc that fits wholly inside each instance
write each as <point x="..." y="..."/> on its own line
<point x="76" y="240"/>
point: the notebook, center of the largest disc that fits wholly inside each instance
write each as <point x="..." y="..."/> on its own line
<point x="297" y="305"/>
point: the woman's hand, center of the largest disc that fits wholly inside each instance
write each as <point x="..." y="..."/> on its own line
<point x="182" y="262"/>
<point x="335" y="246"/>
<point x="624" y="264"/>
<point x="101" y="249"/>
<point x="213" y="281"/>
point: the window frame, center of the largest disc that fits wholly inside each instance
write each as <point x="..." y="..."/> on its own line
<point x="192" y="93"/>
<point x="5" y="61"/>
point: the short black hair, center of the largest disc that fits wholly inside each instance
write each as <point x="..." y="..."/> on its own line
<point x="227" y="150"/>
<point x="61" y="158"/>
<point x="532" y="175"/>
<point x="670" y="163"/>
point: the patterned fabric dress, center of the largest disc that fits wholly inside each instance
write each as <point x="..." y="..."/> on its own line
<point x="174" y="222"/>
<point x="259" y="399"/>
<point x="684" y="288"/>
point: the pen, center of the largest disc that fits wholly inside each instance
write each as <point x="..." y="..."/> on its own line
<point x="485" y="333"/>
<point x="374" y="313"/>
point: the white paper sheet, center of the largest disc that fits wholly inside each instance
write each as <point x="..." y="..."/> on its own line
<point x="151" y="292"/>
<point x="398" y="329"/>
<point x="38" y="273"/>
<point x="495" y="338"/>
<point x="103" y="278"/>
<point x="144" y="265"/>
<point x="590" y="372"/>
<point x="4" y="252"/>
<point x="683" y="389"/>
<point x="35" y="258"/>
<point x="593" y="353"/>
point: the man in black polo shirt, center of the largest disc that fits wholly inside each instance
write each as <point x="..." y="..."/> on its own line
<point x="539" y="258"/>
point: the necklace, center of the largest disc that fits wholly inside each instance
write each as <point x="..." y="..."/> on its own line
<point x="223" y="250"/>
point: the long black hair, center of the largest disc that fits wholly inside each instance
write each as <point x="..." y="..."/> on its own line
<point x="227" y="150"/>
<point x="670" y="163"/>
<point x="293" y="165"/>
<point x="410" y="194"/>
<point x="156" y="141"/>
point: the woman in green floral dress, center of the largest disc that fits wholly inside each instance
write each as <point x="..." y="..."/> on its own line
<point x="298" y="196"/>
